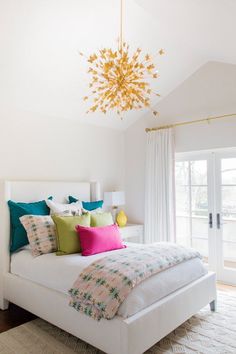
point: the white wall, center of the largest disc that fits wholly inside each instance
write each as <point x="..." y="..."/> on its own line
<point x="37" y="147"/>
<point x="34" y="146"/>
<point x="209" y="91"/>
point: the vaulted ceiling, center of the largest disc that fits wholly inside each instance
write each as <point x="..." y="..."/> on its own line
<point x="41" y="71"/>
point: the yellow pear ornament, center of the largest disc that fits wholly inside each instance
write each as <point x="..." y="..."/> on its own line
<point x="121" y="219"/>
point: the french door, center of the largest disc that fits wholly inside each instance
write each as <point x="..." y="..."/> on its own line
<point x="206" y="208"/>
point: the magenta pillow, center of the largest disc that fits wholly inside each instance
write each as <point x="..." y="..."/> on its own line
<point x="99" y="239"/>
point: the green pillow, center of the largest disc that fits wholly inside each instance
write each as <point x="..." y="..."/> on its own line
<point x="67" y="238"/>
<point x="101" y="219"/>
<point x="18" y="234"/>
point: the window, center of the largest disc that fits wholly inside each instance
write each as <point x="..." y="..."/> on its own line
<point x="192" y="204"/>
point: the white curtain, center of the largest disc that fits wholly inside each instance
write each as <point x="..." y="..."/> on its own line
<point x="160" y="187"/>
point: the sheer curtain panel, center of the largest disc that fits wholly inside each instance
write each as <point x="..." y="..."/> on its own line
<point x="160" y="187"/>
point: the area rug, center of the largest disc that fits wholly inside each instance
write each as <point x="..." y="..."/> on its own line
<point x="204" y="333"/>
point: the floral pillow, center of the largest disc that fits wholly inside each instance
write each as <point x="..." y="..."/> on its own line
<point x="41" y="233"/>
<point x="74" y="208"/>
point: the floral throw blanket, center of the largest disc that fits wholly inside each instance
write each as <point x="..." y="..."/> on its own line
<point x="102" y="286"/>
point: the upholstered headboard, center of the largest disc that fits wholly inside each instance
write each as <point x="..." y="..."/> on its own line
<point x="29" y="191"/>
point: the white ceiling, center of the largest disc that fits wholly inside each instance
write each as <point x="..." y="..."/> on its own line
<point x="210" y="91"/>
<point x="41" y="71"/>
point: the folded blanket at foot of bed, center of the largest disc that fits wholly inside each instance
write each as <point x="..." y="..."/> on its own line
<point x="102" y="286"/>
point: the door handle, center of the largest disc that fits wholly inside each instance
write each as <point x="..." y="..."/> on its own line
<point x="218" y="220"/>
<point x="210" y="221"/>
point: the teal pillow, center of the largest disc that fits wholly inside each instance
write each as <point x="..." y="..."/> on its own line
<point x="18" y="233"/>
<point x="87" y="205"/>
<point x="72" y="199"/>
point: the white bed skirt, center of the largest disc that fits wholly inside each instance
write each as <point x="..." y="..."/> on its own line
<point x="59" y="273"/>
<point x="133" y="335"/>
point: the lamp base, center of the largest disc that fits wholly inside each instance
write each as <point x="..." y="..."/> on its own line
<point x="121" y="219"/>
<point x="113" y="213"/>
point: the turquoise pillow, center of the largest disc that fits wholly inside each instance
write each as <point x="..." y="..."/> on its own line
<point x="72" y="199"/>
<point x="18" y="233"/>
<point x="87" y="205"/>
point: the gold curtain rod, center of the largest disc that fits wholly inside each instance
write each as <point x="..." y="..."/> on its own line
<point x="207" y="120"/>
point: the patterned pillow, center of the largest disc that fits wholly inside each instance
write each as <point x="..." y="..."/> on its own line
<point x="41" y="233"/>
<point x="64" y="209"/>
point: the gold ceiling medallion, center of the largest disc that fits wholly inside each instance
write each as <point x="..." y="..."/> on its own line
<point x="119" y="80"/>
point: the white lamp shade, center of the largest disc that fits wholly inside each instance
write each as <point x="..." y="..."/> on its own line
<point x="114" y="198"/>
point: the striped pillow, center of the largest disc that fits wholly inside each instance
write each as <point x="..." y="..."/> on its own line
<point x="41" y="233"/>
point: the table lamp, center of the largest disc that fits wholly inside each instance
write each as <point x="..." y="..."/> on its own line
<point x="114" y="200"/>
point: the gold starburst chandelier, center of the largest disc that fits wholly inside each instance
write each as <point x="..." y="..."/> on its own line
<point x="120" y="80"/>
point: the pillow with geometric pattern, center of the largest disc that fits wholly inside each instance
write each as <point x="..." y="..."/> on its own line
<point x="41" y="233"/>
<point x="74" y="208"/>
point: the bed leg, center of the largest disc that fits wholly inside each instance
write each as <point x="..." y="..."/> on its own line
<point x="213" y="305"/>
<point x="4" y="304"/>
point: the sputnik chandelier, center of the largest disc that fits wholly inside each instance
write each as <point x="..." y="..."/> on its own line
<point x="119" y="80"/>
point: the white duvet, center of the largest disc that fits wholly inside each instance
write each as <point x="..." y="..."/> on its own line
<point x="60" y="272"/>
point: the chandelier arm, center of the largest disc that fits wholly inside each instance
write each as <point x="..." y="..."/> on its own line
<point x="120" y="81"/>
<point x="111" y="78"/>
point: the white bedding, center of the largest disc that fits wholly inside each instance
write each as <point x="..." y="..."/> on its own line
<point x="60" y="272"/>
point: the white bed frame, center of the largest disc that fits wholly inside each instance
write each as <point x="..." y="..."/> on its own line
<point x="133" y="335"/>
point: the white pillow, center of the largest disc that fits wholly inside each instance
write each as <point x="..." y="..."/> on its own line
<point x="69" y="209"/>
<point x="94" y="211"/>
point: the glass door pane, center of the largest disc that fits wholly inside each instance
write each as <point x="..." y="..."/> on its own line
<point x="192" y="207"/>
<point x="182" y="203"/>
<point x="228" y="211"/>
<point x="206" y="185"/>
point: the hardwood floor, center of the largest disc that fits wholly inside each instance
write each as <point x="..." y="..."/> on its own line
<point x="13" y="317"/>
<point x="16" y="316"/>
<point x="228" y="288"/>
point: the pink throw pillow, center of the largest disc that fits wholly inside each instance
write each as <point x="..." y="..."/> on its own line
<point x="99" y="239"/>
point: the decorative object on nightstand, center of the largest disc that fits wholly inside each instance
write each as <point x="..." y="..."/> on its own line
<point x="114" y="200"/>
<point x="121" y="218"/>
<point x="132" y="233"/>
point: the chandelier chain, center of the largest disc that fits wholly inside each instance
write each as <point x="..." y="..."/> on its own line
<point x="121" y="24"/>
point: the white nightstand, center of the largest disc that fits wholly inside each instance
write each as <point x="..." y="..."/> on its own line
<point x="132" y="233"/>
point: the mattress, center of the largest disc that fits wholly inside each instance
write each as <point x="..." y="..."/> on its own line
<point x="59" y="273"/>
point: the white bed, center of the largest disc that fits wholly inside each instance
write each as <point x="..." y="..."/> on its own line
<point x="152" y="310"/>
<point x="59" y="273"/>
